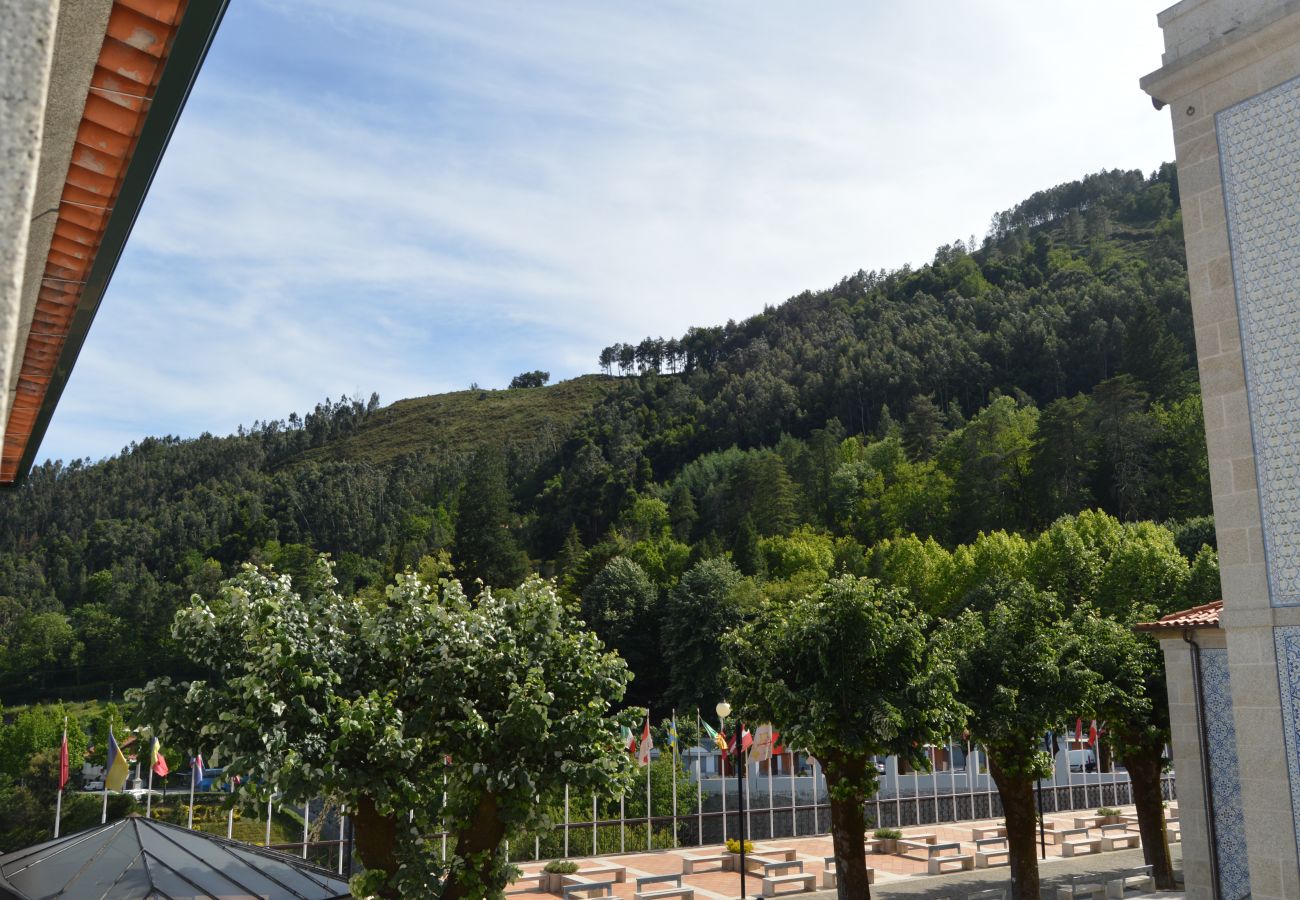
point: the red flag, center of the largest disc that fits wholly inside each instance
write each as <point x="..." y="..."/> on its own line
<point x="777" y="749"/>
<point x="643" y="754"/>
<point x="63" y="761"/>
<point x="1092" y="734"/>
<point x="159" y="763"/>
<point x="1078" y="730"/>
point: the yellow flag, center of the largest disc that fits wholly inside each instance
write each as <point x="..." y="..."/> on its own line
<point x="115" y="776"/>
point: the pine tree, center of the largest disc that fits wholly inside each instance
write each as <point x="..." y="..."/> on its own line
<point x="485" y="548"/>
<point x="745" y="552"/>
<point x="923" y="428"/>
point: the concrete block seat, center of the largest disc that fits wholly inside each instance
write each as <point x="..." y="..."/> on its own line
<point x="1119" y="837"/>
<point x="830" y="878"/>
<point x="615" y="871"/>
<point x="980" y="832"/>
<point x="1074" y="840"/>
<point x="576" y="885"/>
<point x="773" y="880"/>
<point x="925" y="850"/>
<point x="691" y="862"/>
<point x="775" y="852"/>
<point x="660" y="887"/>
<point x="1088" y="885"/>
<point x="1175" y="830"/>
<point x="990" y="894"/>
<point x="1139" y="879"/>
<point x="940" y="864"/>
<point x="992" y="851"/>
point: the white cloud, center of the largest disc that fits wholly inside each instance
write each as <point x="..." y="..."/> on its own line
<point x="407" y="197"/>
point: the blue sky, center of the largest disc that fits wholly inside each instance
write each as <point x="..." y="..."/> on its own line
<point x="407" y="197"/>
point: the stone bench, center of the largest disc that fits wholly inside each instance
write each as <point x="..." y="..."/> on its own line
<point x="989" y="894"/>
<point x="1140" y="878"/>
<point x="690" y="861"/>
<point x="937" y="863"/>
<point x="1075" y="839"/>
<point x="616" y="871"/>
<point x="1080" y="886"/>
<point x="806" y="882"/>
<point x="829" y="878"/>
<point x="872" y="844"/>
<point x="927" y="851"/>
<point x="1086" y="821"/>
<point x="578" y="885"/>
<point x="753" y="861"/>
<point x="529" y="876"/>
<point x="672" y="887"/>
<point x="775" y="852"/>
<point x="981" y="832"/>
<point x="1116" y="837"/>
<point x="986" y="849"/>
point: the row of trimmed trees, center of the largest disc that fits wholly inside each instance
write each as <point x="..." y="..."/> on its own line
<point x="1005" y="638"/>
<point x="477" y="714"/>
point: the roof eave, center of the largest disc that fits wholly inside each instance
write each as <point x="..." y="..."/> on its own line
<point x="193" y="38"/>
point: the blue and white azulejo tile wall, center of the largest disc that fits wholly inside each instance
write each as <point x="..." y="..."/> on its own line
<point x="1259" y="151"/>
<point x="1221" y="734"/>
<point x="1286" y="639"/>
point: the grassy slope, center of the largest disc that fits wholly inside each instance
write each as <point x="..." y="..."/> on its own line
<point x="463" y="421"/>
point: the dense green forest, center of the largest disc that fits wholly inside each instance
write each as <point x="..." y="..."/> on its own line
<point x="1046" y="371"/>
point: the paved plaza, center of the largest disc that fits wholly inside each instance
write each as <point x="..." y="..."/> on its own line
<point x="895" y="874"/>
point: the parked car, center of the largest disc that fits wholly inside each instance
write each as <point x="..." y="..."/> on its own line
<point x="1082" y="760"/>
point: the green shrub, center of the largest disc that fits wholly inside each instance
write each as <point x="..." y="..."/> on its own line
<point x="887" y="834"/>
<point x="1108" y="811"/>
<point x="733" y="846"/>
<point x="560" y="867"/>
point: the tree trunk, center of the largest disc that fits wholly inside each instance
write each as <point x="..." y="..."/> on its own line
<point x="848" y="827"/>
<point x="375" y="837"/>
<point x="1017" y="793"/>
<point x="1144" y="768"/>
<point x="477" y="871"/>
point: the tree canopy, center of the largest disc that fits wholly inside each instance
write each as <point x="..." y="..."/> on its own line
<point x="311" y="693"/>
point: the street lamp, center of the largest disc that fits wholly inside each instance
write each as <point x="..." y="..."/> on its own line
<point x="723" y="710"/>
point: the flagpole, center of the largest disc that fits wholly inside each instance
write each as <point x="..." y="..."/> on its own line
<point x="194" y="764"/>
<point x="230" y="813"/>
<point x="306" y="826"/>
<point x="699" y="784"/>
<point x="675" y="741"/>
<point x="648" y="825"/>
<point x="267" y="842"/>
<point x="103" y="816"/>
<point x="722" y="778"/>
<point x="148" y="797"/>
<point x="63" y="777"/>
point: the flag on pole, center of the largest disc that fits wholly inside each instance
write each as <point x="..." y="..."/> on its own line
<point x="647" y="743"/>
<point x="1092" y="734"/>
<point x="115" y="775"/>
<point x="672" y="732"/>
<point x="157" y="763"/>
<point x="63" y="757"/>
<point x="746" y="740"/>
<point x="629" y="739"/>
<point x="1078" y="730"/>
<point x="761" y="746"/>
<point x="719" y="741"/>
<point x="198" y="765"/>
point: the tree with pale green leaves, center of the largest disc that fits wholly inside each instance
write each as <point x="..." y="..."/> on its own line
<point x="1021" y="670"/>
<point x="848" y="673"/>
<point x="371" y="703"/>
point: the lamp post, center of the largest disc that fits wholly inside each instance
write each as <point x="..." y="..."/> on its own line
<point x="723" y="710"/>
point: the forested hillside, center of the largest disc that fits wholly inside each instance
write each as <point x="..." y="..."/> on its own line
<point x="1047" y="371"/>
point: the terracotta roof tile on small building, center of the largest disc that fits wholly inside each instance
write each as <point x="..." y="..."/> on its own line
<point x="1204" y="616"/>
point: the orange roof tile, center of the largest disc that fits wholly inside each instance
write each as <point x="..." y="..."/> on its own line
<point x="1204" y="616"/>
